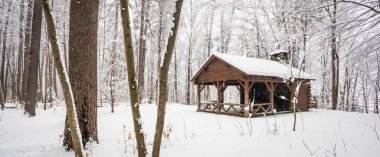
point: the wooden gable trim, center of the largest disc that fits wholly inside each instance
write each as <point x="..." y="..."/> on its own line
<point x="212" y="58"/>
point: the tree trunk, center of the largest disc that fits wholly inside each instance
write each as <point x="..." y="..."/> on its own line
<point x="113" y="58"/>
<point x="65" y="82"/>
<point x="142" y="50"/>
<point x="34" y="62"/>
<point x="353" y="102"/>
<point x="3" y="60"/>
<point x="377" y="88"/>
<point x="1" y="98"/>
<point x="133" y="91"/>
<point x="163" y="91"/>
<point x="28" y="30"/>
<point x="160" y="35"/>
<point x="175" y="78"/>
<point x="20" y="49"/>
<point x="188" y="75"/>
<point x="83" y="33"/>
<point x="334" y="59"/>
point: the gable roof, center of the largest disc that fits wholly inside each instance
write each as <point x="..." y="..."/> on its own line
<point x="258" y="67"/>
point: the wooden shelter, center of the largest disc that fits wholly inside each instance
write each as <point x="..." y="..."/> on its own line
<point x="265" y="86"/>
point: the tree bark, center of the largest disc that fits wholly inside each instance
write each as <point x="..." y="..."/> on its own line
<point x="334" y="59"/>
<point x="83" y="33"/>
<point x="20" y="49"/>
<point x="3" y="60"/>
<point x="133" y="91"/>
<point x="163" y="91"/>
<point x="113" y="59"/>
<point x="34" y="62"/>
<point x="65" y="82"/>
<point x="1" y="98"/>
<point x="377" y="88"/>
<point x="28" y="30"/>
<point x="142" y="50"/>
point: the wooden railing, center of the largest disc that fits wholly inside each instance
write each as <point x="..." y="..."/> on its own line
<point x="235" y="108"/>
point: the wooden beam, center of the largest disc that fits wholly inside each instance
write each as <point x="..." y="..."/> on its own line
<point x="238" y="87"/>
<point x="241" y="83"/>
<point x="202" y="87"/>
<point x="250" y="87"/>
<point x="272" y="96"/>
<point x="246" y="98"/>
<point x="199" y="96"/>
<point x="268" y="86"/>
<point x="218" y="96"/>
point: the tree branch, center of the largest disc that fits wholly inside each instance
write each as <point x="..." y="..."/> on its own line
<point x="363" y="5"/>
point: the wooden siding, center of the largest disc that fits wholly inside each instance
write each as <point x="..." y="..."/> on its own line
<point x="304" y="96"/>
<point x="218" y="71"/>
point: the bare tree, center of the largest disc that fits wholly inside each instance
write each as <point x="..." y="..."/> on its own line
<point x="142" y="49"/>
<point x="20" y="48"/>
<point x="27" y="41"/>
<point x="65" y="82"/>
<point x="3" y="71"/>
<point x="133" y="91"/>
<point x="34" y="53"/>
<point x="163" y="91"/>
<point x="83" y="53"/>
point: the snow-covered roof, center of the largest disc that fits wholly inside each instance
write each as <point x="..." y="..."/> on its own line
<point x="262" y="67"/>
<point x="278" y="51"/>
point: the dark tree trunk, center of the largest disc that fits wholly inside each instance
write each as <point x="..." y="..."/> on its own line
<point x="20" y="49"/>
<point x="377" y="88"/>
<point x="1" y="98"/>
<point x="334" y="60"/>
<point x="83" y="33"/>
<point x="142" y="50"/>
<point x="32" y="85"/>
<point x="175" y="78"/>
<point x="28" y="30"/>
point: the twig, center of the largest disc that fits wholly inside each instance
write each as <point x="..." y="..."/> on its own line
<point x="275" y="125"/>
<point x="334" y="150"/>
<point x="285" y="127"/>
<point x="7" y="141"/>
<point x="237" y="125"/>
<point x="308" y="149"/>
<point x="290" y="144"/>
<point x="344" y="142"/>
<point x="303" y="125"/>
<point x="375" y="130"/>
<point x="184" y="125"/>
<point x="220" y="127"/>
<point x="125" y="141"/>
<point x="267" y="125"/>
<point x="1" y="117"/>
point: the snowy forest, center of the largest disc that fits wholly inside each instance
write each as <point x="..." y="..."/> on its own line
<point x="119" y="77"/>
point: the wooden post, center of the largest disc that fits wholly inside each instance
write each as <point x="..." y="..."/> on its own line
<point x="246" y="98"/>
<point x="198" y="97"/>
<point x="241" y="94"/>
<point x="272" y="95"/>
<point x="219" y="96"/>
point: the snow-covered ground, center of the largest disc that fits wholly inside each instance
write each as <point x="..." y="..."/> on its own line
<point x="195" y="134"/>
